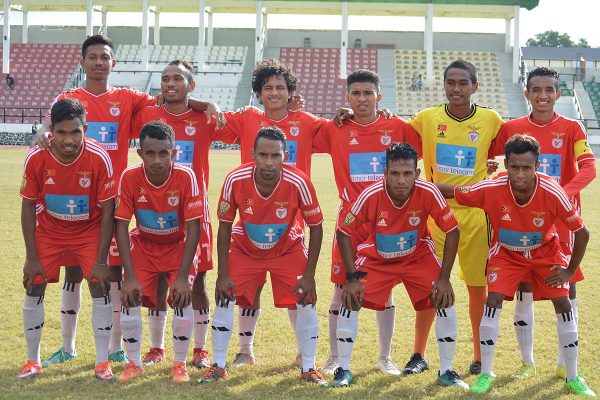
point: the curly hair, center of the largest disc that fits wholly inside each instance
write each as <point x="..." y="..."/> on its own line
<point x="269" y="68"/>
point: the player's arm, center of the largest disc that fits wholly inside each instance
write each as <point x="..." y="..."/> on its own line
<point x="562" y="275"/>
<point x="32" y="266"/>
<point x="585" y="175"/>
<point x="209" y="108"/>
<point x="353" y="292"/>
<point x="446" y="190"/>
<point x="42" y="135"/>
<point x="181" y="292"/>
<point x="306" y="285"/>
<point x="441" y="291"/>
<point x="225" y="289"/>
<point x="131" y="290"/>
<point x="100" y="272"/>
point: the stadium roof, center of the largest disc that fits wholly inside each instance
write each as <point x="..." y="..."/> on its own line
<point x="561" y="53"/>
<point x="503" y="9"/>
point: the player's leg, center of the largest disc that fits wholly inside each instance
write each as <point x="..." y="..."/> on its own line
<point x="116" y="352"/>
<point x="418" y="361"/>
<point x="524" y="328"/>
<point x="201" y="309"/>
<point x="101" y="326"/>
<point x="157" y="322"/>
<point x="385" y="328"/>
<point x="247" y="320"/>
<point x="33" y="322"/>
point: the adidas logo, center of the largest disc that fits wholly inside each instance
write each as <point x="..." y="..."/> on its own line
<point x="50" y="181"/>
<point x="382" y="223"/>
<point x="353" y="141"/>
<point x="248" y="210"/>
<point x="506" y="217"/>
<point x="441" y="135"/>
<point x="142" y="199"/>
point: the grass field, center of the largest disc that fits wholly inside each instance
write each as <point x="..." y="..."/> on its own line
<point x="274" y="377"/>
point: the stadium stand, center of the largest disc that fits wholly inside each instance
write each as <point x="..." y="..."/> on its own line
<point x="593" y="90"/>
<point x="36" y="85"/>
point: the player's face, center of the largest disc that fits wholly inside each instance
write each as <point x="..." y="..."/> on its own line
<point x="269" y="158"/>
<point x="176" y="84"/>
<point x="542" y="93"/>
<point x="458" y="87"/>
<point x="274" y="94"/>
<point x="67" y="138"/>
<point x="98" y="62"/>
<point x="521" y="170"/>
<point x="156" y="156"/>
<point x="363" y="98"/>
<point x="400" y="178"/>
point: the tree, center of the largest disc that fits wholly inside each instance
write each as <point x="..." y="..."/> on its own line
<point x="555" y="39"/>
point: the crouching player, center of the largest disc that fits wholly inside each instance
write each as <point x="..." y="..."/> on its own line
<point x="398" y="249"/>
<point x="71" y="189"/>
<point x="269" y="195"/>
<point x="167" y="204"/>
<point x="523" y="207"/>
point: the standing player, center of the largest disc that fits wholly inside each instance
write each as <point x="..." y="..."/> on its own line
<point x="568" y="159"/>
<point x="523" y="207"/>
<point x="168" y="204"/>
<point x="456" y="138"/>
<point x="269" y="195"/>
<point x="357" y="151"/>
<point x="67" y="216"/>
<point x="398" y="248"/>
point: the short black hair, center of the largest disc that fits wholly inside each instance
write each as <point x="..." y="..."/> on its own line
<point x="400" y="151"/>
<point x="271" y="133"/>
<point x="521" y="144"/>
<point x="272" y="67"/>
<point x="186" y="65"/>
<point x="97" y="39"/>
<point x="157" y="130"/>
<point x="463" y="64"/>
<point x="543" y="71"/>
<point x="66" y="110"/>
<point x="363" y="75"/>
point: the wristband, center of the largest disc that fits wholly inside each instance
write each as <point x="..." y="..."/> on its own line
<point x="356" y="275"/>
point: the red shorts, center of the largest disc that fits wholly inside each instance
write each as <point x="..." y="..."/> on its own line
<point x="150" y="259"/>
<point x="567" y="249"/>
<point x="205" y="248"/>
<point x="248" y="274"/>
<point x="417" y="274"/>
<point x="53" y="255"/>
<point x="114" y="260"/>
<point x="338" y="270"/>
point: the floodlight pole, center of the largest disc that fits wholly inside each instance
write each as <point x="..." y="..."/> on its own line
<point x="25" y="29"/>
<point x="428" y="42"/>
<point x="157" y="25"/>
<point x="89" y="27"/>
<point x="6" y="39"/>
<point x="104" y="13"/>
<point x="516" y="47"/>
<point x="507" y="36"/>
<point x="200" y="54"/>
<point x="209" y="30"/>
<point x="344" y="41"/>
<point x="145" y="35"/>
<point x="258" y="44"/>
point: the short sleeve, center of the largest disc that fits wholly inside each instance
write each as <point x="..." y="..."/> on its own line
<point x="227" y="207"/>
<point x="322" y="138"/>
<point x="192" y="201"/>
<point x="106" y="189"/>
<point x="440" y="211"/>
<point x="416" y="121"/>
<point x="309" y="205"/>
<point x="471" y="196"/>
<point x="30" y="183"/>
<point x="124" y="207"/>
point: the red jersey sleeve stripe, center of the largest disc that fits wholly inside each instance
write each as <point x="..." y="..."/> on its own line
<point x="364" y="196"/>
<point x="489" y="183"/>
<point x="301" y="185"/>
<point x="561" y="196"/>
<point x="430" y="187"/>
<point x="29" y="155"/>
<point x="232" y="177"/>
<point x="133" y="167"/>
<point x="192" y="176"/>
<point x="100" y="152"/>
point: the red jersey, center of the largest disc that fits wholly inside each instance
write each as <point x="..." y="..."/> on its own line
<point x="160" y="212"/>
<point x="358" y="151"/>
<point x="398" y="233"/>
<point x="266" y="225"/>
<point x="522" y="228"/>
<point x="68" y="195"/>
<point x="299" y="127"/>
<point x="109" y="118"/>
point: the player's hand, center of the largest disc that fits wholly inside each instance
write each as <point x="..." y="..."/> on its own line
<point x="42" y="140"/>
<point x="353" y="294"/>
<point x="342" y="114"/>
<point x="213" y="110"/>
<point x="306" y="290"/>
<point x="31" y="269"/>
<point x="296" y="102"/>
<point x="221" y="120"/>
<point x="180" y="293"/>
<point x="160" y="99"/>
<point x="131" y="292"/>
<point x="386" y="113"/>
<point x="559" y="277"/>
<point x="442" y="294"/>
<point x="100" y="274"/>
<point x="225" y="291"/>
<point x="492" y="166"/>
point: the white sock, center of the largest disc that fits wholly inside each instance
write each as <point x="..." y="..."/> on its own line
<point x="446" y="331"/>
<point x="157" y="321"/>
<point x="201" y="320"/>
<point x="102" y="326"/>
<point x="307" y="333"/>
<point x="70" y="304"/>
<point x="222" y="325"/>
<point x="115" y="335"/>
<point x="488" y="336"/>
<point x="247" y="320"/>
<point x="183" y="326"/>
<point x="347" y="328"/>
<point x="524" y="325"/>
<point x="334" y="310"/>
<point x="293" y="316"/>
<point x="385" y="327"/>
<point x="560" y="362"/>
<point x="131" y="323"/>
<point x="33" y="322"/>
<point x="568" y="341"/>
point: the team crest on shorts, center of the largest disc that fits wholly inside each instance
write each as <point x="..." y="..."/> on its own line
<point x="117" y="202"/>
<point x="492" y="277"/>
<point x="115" y="111"/>
<point x="224" y="207"/>
<point x="190" y="129"/>
<point x="84" y="181"/>
<point x="336" y="269"/>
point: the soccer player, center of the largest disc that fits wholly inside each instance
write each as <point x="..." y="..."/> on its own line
<point x="568" y="159"/>
<point x="456" y="137"/>
<point x="267" y="196"/>
<point x="168" y="203"/>
<point x="357" y="151"/>
<point x="523" y="207"/>
<point x="394" y="212"/>
<point x="67" y="217"/>
<point x="193" y="136"/>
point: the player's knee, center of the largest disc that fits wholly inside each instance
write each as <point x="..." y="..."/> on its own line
<point x="73" y="274"/>
<point x="495" y="300"/>
<point x="562" y="305"/>
<point x="95" y="290"/>
<point x="115" y="273"/>
<point x="525" y="287"/>
<point x="37" y="290"/>
<point x="199" y="285"/>
<point x="307" y="325"/>
<point x="572" y="291"/>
